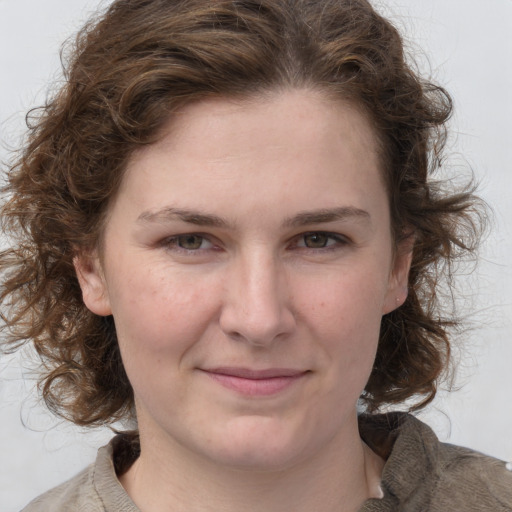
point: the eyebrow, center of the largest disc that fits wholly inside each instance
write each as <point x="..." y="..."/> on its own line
<point x="328" y="215"/>
<point x="190" y="216"/>
<point x="305" y="218"/>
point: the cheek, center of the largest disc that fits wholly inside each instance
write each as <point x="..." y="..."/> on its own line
<point x="160" y="322"/>
<point x="156" y="313"/>
<point x="344" y="316"/>
<point x="347" y="300"/>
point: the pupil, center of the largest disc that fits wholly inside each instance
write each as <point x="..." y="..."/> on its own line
<point x="190" y="241"/>
<point x="316" y="240"/>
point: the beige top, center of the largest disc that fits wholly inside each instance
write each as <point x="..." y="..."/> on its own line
<point x="421" y="474"/>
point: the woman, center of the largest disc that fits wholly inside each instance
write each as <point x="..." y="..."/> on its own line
<point x="226" y="235"/>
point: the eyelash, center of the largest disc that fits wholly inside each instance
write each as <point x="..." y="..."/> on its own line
<point x="333" y="242"/>
<point x="172" y="242"/>
<point x="339" y="241"/>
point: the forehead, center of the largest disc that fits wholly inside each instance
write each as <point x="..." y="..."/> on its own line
<point x="215" y="126"/>
<point x="289" y="145"/>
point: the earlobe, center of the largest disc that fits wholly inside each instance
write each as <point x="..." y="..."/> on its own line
<point x="398" y="288"/>
<point x="92" y="282"/>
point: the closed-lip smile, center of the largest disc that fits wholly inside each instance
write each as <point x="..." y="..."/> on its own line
<point x="251" y="382"/>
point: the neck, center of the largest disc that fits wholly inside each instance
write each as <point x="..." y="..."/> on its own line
<point x="338" y="478"/>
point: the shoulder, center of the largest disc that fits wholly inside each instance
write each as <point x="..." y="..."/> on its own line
<point x="95" y="489"/>
<point x="422" y="473"/>
<point x="472" y="479"/>
<point x="77" y="494"/>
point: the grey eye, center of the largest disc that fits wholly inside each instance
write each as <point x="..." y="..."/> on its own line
<point x="190" y="242"/>
<point x="316" y="240"/>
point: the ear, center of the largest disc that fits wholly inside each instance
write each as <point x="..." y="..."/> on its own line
<point x="399" y="277"/>
<point x="92" y="282"/>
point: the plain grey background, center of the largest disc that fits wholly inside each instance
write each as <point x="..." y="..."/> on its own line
<point x="469" y="48"/>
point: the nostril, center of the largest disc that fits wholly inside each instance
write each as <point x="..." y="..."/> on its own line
<point x="235" y="335"/>
<point x="256" y="327"/>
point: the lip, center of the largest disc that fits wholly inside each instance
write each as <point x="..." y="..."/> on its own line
<point x="251" y="382"/>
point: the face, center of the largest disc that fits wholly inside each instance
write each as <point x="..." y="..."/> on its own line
<point x="247" y="262"/>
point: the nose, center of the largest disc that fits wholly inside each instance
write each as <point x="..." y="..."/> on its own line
<point x="257" y="305"/>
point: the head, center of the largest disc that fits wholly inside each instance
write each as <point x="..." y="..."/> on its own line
<point x="130" y="76"/>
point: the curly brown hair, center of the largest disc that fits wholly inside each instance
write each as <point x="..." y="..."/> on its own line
<point x="126" y="74"/>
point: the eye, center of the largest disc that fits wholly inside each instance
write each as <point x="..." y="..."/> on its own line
<point x="320" y="240"/>
<point x="188" y="242"/>
<point x="317" y="240"/>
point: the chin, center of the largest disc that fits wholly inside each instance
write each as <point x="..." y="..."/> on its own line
<point x="258" y="444"/>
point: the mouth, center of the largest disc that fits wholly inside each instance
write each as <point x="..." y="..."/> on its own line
<point x="251" y="382"/>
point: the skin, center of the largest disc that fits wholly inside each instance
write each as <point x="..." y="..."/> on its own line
<point x="254" y="236"/>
